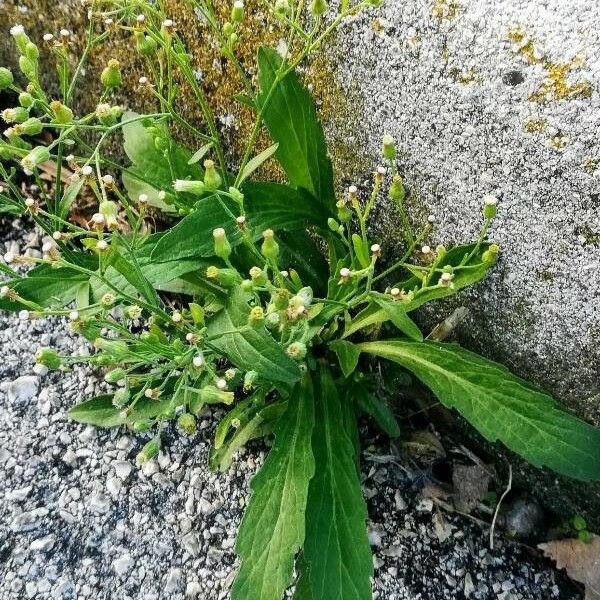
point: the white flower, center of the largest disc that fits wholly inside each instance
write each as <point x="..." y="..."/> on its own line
<point x="140" y="19"/>
<point x="490" y="200"/>
<point x="376" y="249"/>
<point x="198" y="360"/>
<point x="143" y="198"/>
<point x="284" y="273"/>
<point x="70" y="157"/>
<point x="87" y="170"/>
<point x="65" y="33"/>
<point x="425" y="249"/>
<point x="29" y="202"/>
<point x="108" y="179"/>
<point x="345" y="272"/>
<point x="47" y="247"/>
<point x="57" y="235"/>
<point x="352" y="190"/>
<point x="73" y="315"/>
<point x="98" y="219"/>
<point x="143" y="80"/>
<point x="17" y="30"/>
<point x="48" y="37"/>
<point x="4" y="291"/>
<point x="108" y="22"/>
<point x="167" y="23"/>
<point x="431" y="219"/>
<point x="240" y="220"/>
<point x="176" y="317"/>
<point x="221" y="383"/>
<point x="101" y="245"/>
<point x="103" y="110"/>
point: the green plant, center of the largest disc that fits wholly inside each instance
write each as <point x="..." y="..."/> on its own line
<point x="267" y="297"/>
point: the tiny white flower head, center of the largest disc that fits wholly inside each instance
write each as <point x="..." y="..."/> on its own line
<point x="168" y="23"/>
<point x="143" y="80"/>
<point x="176" y="317"/>
<point x="381" y="170"/>
<point x="57" y="235"/>
<point x="140" y="19"/>
<point x="102" y="245"/>
<point x="73" y="315"/>
<point x="24" y="315"/>
<point x="490" y="200"/>
<point x="65" y="33"/>
<point x="108" y="179"/>
<point x="352" y="190"/>
<point x="17" y="30"/>
<point x="103" y="110"/>
<point x="376" y="249"/>
<point x="29" y="202"/>
<point x="9" y="258"/>
<point x="87" y="170"/>
<point x="4" y="291"/>
<point x="425" y="249"/>
<point x="189" y="337"/>
<point x="108" y="22"/>
<point x="431" y="219"/>
<point x="98" y="219"/>
<point x="284" y="273"/>
<point x="218" y="233"/>
<point x="240" y="220"/>
<point x="48" y="37"/>
<point x="344" y="272"/>
<point x="221" y="383"/>
<point x="70" y="157"/>
<point x="134" y="311"/>
<point x="149" y="393"/>
<point x="47" y="247"/>
<point x="162" y="195"/>
<point x="143" y="198"/>
<point x="198" y="360"/>
<point x="395" y="292"/>
<point x="108" y="299"/>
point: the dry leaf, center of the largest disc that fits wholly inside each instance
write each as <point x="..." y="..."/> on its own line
<point x="580" y="559"/>
<point x="424" y="446"/>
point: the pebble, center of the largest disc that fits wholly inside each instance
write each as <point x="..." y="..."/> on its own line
<point x="23" y="388"/>
<point x="123" y="564"/>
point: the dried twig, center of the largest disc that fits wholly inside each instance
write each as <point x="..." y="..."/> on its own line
<point x="508" y="488"/>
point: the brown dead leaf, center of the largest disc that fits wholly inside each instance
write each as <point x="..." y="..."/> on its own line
<point x="424" y="446"/>
<point x="470" y="485"/>
<point x="580" y="559"/>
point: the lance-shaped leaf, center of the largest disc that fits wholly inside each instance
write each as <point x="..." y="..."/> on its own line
<point x="272" y="530"/>
<point x="337" y="556"/>
<point x="290" y="115"/>
<point x="500" y="405"/>
<point x="248" y="348"/>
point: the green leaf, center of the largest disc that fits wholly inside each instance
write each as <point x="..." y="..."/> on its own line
<point x="396" y="313"/>
<point x="69" y="196"/>
<point x="500" y="405"/>
<point x="272" y="530"/>
<point x="347" y="354"/>
<point x="361" y="250"/>
<point x="292" y="121"/>
<point x="200" y="154"/>
<point x="378" y="409"/>
<point x="250" y="349"/>
<point x="101" y="412"/>
<point x="257" y="161"/>
<point x="370" y="315"/>
<point x="48" y="286"/>
<point x="336" y="548"/>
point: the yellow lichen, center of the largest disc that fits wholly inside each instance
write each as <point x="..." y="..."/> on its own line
<point x="446" y="9"/>
<point x="591" y="164"/>
<point x="465" y="77"/>
<point x="558" y="142"/>
<point x="535" y="125"/>
<point x="378" y="26"/>
<point x="525" y="46"/>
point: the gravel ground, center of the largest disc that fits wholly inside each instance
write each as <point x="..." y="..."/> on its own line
<point x="79" y="520"/>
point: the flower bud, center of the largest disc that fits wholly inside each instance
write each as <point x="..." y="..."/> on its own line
<point x="296" y="350"/>
<point x="282" y="8"/>
<point x="145" y="44"/>
<point x="32" y="52"/>
<point x="38" y="156"/>
<point x="269" y="248"/>
<point x="121" y="397"/>
<point x="237" y="12"/>
<point x="28" y="67"/>
<point x="344" y="213"/>
<point x="345" y="275"/>
<point x="107" y="299"/>
<point x="491" y="254"/>
<point x="197" y="314"/>
<point x="6" y="78"/>
<point x="236" y="195"/>
<point x="304" y="296"/>
<point x="32" y="126"/>
<point x="280" y="298"/>
<point x="272" y="320"/>
<point x="21" y="38"/>
<point x="258" y="276"/>
<point x="134" y="311"/>
<point x="249" y="379"/>
<point x="109" y="210"/>
<point x="489" y="206"/>
<point x="198" y="361"/>
<point x="15" y="115"/>
<point x="26" y="99"/>
<point x="256" y="318"/>
<point x="319" y="8"/>
<point x="49" y="358"/>
<point x="397" y="192"/>
<point x="115" y="375"/>
<point x="148" y="452"/>
<point x="111" y="75"/>
<point x="62" y="114"/>
<point x="222" y="245"/>
<point x="197" y="188"/>
<point x="333" y="225"/>
<point x="187" y="422"/>
<point x="389" y="148"/>
<point x="212" y="395"/>
<point x="212" y="180"/>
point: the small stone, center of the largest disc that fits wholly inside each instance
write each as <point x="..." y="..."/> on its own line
<point x="43" y="544"/>
<point x="113" y="486"/>
<point x="19" y="495"/>
<point x="191" y="544"/>
<point x="193" y="589"/>
<point x="122" y="469"/>
<point x="69" y="457"/>
<point x="173" y="581"/>
<point x="99" y="503"/>
<point x="123" y="564"/>
<point x="22" y="389"/>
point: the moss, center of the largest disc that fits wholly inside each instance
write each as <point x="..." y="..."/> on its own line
<point x="591" y="237"/>
<point x="591" y="164"/>
<point x="464" y="77"/>
<point x="446" y="9"/>
<point x="546" y="275"/>
<point x="535" y="125"/>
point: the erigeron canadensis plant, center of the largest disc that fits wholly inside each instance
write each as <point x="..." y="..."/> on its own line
<point x="269" y="299"/>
